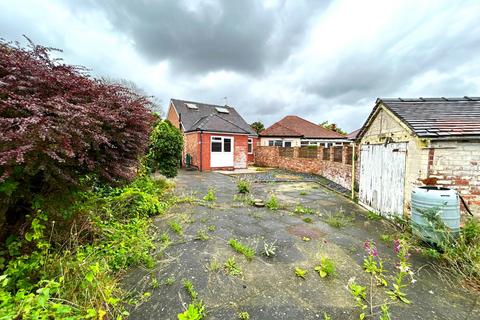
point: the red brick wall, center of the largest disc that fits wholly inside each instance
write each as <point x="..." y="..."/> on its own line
<point x="339" y="172"/>
<point x="456" y="165"/>
<point x="172" y="116"/>
<point x="251" y="156"/>
<point x="203" y="149"/>
<point x="192" y="147"/>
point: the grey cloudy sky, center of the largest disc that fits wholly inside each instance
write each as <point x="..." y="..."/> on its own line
<point x="321" y="60"/>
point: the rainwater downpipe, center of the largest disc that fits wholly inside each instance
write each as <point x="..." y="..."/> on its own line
<point x="201" y="151"/>
<point x="353" y="171"/>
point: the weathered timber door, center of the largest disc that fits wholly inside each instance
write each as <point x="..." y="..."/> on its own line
<point x="382" y="177"/>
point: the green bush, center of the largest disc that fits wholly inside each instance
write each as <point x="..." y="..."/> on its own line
<point x="78" y="278"/>
<point x="165" y="149"/>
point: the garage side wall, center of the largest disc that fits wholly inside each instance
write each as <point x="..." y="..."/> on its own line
<point x="192" y="147"/>
<point x="456" y="165"/>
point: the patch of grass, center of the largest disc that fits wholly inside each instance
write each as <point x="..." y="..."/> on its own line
<point x="202" y="235"/>
<point x="338" y="219"/>
<point x="243" y="186"/>
<point x="213" y="266"/>
<point x="307" y="220"/>
<point x="170" y="281"/>
<point x="431" y="252"/>
<point x="303" y="193"/>
<point x="387" y="238"/>
<point x="154" y="282"/>
<point x="299" y="209"/>
<point x="188" y="285"/>
<point x="165" y="238"/>
<point x="373" y="216"/>
<point x="315" y="187"/>
<point x="231" y="267"/>
<point x="239" y="247"/>
<point x="301" y="273"/>
<point x="326" y="267"/>
<point x="176" y="227"/>
<point x="210" y="196"/>
<point x="306" y="239"/>
<point x="212" y="228"/>
<point x="272" y="203"/>
<point x="243" y="315"/>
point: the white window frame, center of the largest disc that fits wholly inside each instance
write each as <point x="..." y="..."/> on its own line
<point x="250" y="146"/>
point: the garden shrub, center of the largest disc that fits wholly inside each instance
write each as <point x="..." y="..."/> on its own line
<point x="165" y="149"/>
<point x="58" y="124"/>
<point x="78" y="279"/>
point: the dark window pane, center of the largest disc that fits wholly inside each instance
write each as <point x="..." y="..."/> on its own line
<point x="227" y="145"/>
<point x="270" y="143"/>
<point x="278" y="143"/>
<point x="216" y="146"/>
<point x="250" y="146"/>
<point x="288" y="144"/>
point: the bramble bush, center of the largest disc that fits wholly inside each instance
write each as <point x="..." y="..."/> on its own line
<point x="58" y="124"/>
<point x="165" y="149"/>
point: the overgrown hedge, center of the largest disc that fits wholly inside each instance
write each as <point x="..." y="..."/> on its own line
<point x="58" y="124"/>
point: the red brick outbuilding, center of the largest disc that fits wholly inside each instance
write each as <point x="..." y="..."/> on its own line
<point x="215" y="137"/>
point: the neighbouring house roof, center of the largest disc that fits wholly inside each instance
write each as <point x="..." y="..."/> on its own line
<point x="198" y="116"/>
<point x="435" y="117"/>
<point x="353" y="135"/>
<point x="293" y="126"/>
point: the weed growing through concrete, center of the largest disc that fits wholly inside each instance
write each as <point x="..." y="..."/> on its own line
<point x="239" y="247"/>
<point x="306" y="239"/>
<point x="212" y="228"/>
<point x="188" y="285"/>
<point x="154" y="282"/>
<point x="170" y="280"/>
<point x="176" y="227"/>
<point x="202" y="235"/>
<point x="243" y="186"/>
<point x="303" y="193"/>
<point x="196" y="309"/>
<point x="327" y="317"/>
<point x="243" y="315"/>
<point x="307" y="220"/>
<point x="210" y="196"/>
<point x="270" y="249"/>
<point x="373" y="216"/>
<point x="338" y="219"/>
<point x="213" y="266"/>
<point x="373" y="265"/>
<point x="165" y="238"/>
<point x="272" y="203"/>
<point x="231" y="267"/>
<point x="299" y="209"/>
<point x="387" y="238"/>
<point x="301" y="273"/>
<point x="326" y="267"/>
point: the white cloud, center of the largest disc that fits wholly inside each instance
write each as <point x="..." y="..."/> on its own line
<point x="321" y="63"/>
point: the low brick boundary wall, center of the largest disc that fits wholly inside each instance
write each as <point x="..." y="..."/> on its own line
<point x="333" y="163"/>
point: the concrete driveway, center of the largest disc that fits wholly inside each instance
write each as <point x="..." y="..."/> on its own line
<point x="268" y="287"/>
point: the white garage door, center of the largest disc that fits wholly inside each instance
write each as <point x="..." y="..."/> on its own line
<point x="221" y="152"/>
<point x="382" y="177"/>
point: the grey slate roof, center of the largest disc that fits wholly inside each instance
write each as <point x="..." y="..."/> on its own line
<point x="207" y="118"/>
<point x="437" y="117"/>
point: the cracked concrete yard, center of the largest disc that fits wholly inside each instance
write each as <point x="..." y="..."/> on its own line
<point x="268" y="288"/>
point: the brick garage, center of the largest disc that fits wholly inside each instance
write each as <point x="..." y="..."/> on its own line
<point x="334" y="163"/>
<point x="439" y="140"/>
